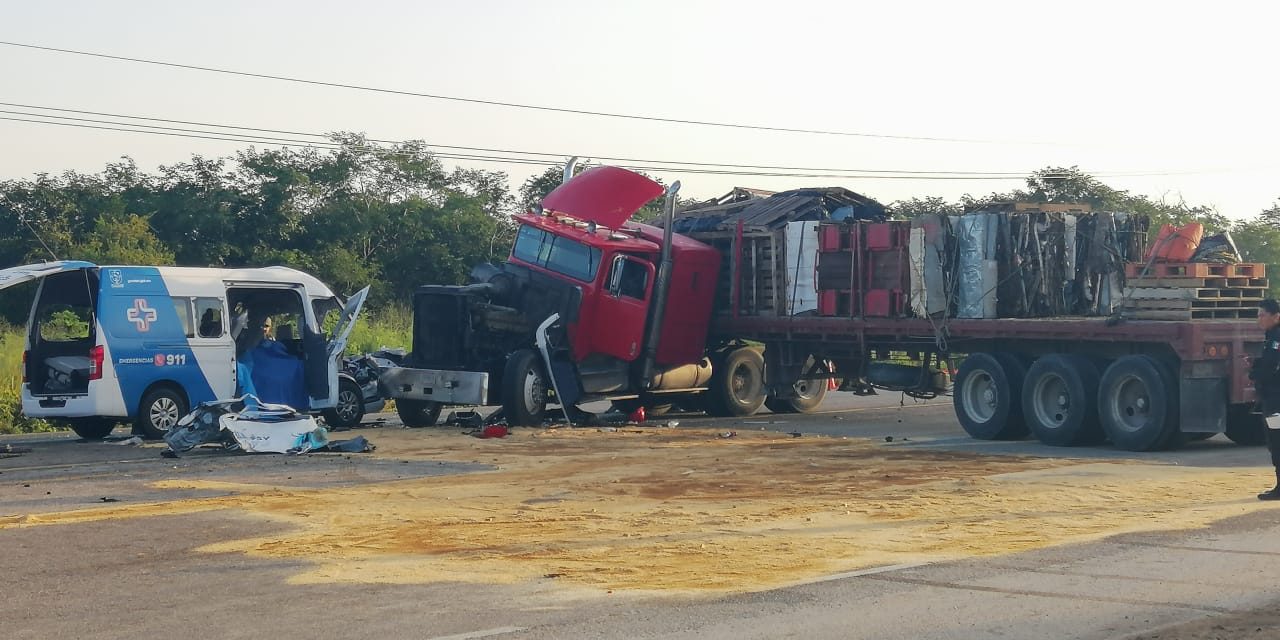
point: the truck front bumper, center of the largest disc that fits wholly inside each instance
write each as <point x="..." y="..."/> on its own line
<point x="445" y="387"/>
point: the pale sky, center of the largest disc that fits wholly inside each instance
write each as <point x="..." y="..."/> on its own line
<point x="1114" y="87"/>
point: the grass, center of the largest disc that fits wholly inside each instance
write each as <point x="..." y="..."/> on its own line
<point x="388" y="327"/>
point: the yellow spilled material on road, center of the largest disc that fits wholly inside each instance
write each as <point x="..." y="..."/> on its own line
<point x="664" y="509"/>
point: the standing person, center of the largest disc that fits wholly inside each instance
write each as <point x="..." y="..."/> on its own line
<point x="1264" y="370"/>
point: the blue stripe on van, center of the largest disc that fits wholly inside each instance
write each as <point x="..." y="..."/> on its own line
<point x="147" y="338"/>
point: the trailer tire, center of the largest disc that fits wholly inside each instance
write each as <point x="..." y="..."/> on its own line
<point x="160" y="410"/>
<point x="737" y="384"/>
<point x="524" y="390"/>
<point x="986" y="398"/>
<point x="92" y="428"/>
<point x="1059" y="401"/>
<point x="418" y="413"/>
<point x="350" y="408"/>
<point x="1244" y="427"/>
<point x="1138" y="404"/>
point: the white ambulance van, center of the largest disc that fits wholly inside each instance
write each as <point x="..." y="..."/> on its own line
<point x="109" y="344"/>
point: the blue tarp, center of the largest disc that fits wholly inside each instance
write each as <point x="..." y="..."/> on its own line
<point x="275" y="375"/>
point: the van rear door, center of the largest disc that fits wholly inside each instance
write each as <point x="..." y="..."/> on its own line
<point x="26" y="273"/>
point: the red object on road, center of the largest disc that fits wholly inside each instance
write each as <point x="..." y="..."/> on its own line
<point x="637" y="416"/>
<point x="494" y="431"/>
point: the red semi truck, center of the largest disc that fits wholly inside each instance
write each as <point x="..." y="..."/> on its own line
<point x="590" y="306"/>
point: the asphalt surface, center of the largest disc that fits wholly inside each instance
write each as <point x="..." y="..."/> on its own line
<point x="142" y="577"/>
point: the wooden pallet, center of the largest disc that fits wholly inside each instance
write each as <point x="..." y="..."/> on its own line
<point x="1198" y="303"/>
<point x="1195" y="270"/>
<point x="1200" y="283"/>
<point x="1191" y="293"/>
<point x="1189" y="314"/>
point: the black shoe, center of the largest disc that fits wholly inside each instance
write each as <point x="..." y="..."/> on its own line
<point x="1273" y="494"/>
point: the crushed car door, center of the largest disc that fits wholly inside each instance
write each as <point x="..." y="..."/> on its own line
<point x="333" y="348"/>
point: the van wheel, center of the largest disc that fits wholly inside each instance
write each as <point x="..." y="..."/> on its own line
<point x="92" y="428"/>
<point x="160" y="411"/>
<point x="418" y="413"/>
<point x="350" y="408"/>
<point x="737" y="384"/>
<point x="524" y="390"/>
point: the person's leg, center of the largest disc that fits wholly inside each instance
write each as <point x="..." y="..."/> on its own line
<point x="1273" y="445"/>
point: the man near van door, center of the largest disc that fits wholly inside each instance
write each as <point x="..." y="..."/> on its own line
<point x="1265" y="372"/>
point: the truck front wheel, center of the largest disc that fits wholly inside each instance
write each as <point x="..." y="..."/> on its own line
<point x="524" y="390"/>
<point x="418" y="413"/>
<point x="737" y="384"/>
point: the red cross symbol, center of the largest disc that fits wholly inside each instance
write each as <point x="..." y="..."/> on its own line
<point x="141" y="315"/>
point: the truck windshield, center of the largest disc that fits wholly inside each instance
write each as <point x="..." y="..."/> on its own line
<point x="561" y="255"/>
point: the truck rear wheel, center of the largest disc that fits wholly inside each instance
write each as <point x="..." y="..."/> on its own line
<point x="418" y="413"/>
<point x="524" y="390"/>
<point x="737" y="384"/>
<point x="1138" y="405"/>
<point x="987" y="397"/>
<point x="807" y="395"/>
<point x="1244" y="427"/>
<point x="1059" y="400"/>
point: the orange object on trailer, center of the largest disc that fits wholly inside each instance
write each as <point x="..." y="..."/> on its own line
<point x="1176" y="244"/>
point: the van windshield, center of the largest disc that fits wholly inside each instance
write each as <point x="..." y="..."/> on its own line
<point x="555" y="253"/>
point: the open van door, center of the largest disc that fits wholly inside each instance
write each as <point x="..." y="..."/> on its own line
<point x="26" y="273"/>
<point x="337" y="343"/>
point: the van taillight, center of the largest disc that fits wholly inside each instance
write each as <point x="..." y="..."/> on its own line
<point x="96" y="356"/>
<point x="24" y="366"/>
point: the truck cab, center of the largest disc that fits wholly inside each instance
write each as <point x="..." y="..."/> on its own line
<point x="587" y="306"/>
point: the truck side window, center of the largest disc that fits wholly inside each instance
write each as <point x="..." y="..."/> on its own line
<point x="209" y="310"/>
<point x="183" y="307"/>
<point x="634" y="279"/>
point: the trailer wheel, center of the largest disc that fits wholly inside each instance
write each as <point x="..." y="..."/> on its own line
<point x="1245" y="427"/>
<point x="92" y="428"/>
<point x="807" y="395"/>
<point x="524" y="390"/>
<point x="418" y="413"/>
<point x="1059" y="400"/>
<point x="1138" y="405"/>
<point x="160" y="411"/>
<point x="986" y="398"/>
<point x="737" y="384"/>
<point x="350" y="408"/>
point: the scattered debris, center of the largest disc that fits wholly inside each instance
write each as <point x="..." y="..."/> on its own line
<point x="888" y="438"/>
<point x="104" y="499"/>
<point x="728" y="434"/>
<point x="491" y="431"/>
<point x="245" y="424"/>
<point x="10" y="451"/>
<point x="794" y="434"/>
<point x="135" y="441"/>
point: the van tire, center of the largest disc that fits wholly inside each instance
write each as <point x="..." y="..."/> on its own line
<point x="350" y="408"/>
<point x="92" y="428"/>
<point x="159" y="411"/>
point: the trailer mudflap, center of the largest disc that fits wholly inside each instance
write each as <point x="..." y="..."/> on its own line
<point x="1203" y="405"/>
<point x="447" y="387"/>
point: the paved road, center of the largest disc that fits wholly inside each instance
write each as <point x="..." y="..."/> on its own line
<point x="142" y="577"/>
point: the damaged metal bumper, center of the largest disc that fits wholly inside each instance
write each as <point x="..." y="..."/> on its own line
<point x="446" y="387"/>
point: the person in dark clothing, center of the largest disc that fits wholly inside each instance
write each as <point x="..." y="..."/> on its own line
<point x="1264" y="370"/>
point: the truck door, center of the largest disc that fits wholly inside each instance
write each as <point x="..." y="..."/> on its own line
<point x="623" y="308"/>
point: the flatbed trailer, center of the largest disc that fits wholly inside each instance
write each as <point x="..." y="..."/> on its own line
<point x="1141" y="384"/>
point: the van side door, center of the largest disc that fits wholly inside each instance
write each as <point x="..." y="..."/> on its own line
<point x="211" y="343"/>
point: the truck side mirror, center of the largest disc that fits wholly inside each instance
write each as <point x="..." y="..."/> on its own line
<point x="615" y="275"/>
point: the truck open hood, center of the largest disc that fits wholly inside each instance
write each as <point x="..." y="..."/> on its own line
<point x="607" y="196"/>
<point x="26" y="273"/>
